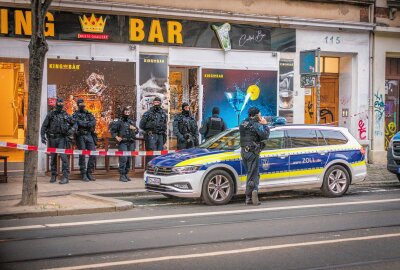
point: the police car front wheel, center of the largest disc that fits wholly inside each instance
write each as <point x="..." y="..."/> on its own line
<point x="217" y="188"/>
<point x="336" y="181"/>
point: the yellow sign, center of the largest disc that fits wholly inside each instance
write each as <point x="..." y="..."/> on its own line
<point x="65" y="66"/>
<point x="155" y="34"/>
<point x="93" y="24"/>
<point x="213" y="75"/>
<point x="23" y="23"/>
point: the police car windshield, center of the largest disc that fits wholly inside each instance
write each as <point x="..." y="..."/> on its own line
<point x="228" y="140"/>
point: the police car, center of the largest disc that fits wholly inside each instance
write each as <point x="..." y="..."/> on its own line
<point x="294" y="157"/>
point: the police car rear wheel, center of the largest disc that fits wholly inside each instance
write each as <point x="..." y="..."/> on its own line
<point x="336" y="181"/>
<point x="217" y="188"/>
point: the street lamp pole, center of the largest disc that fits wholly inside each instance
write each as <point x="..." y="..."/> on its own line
<point x="318" y="85"/>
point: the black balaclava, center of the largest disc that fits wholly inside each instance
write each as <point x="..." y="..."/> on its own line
<point x="58" y="106"/>
<point x="185" y="112"/>
<point x="215" y="110"/>
<point x="253" y="111"/>
<point x="81" y="105"/>
<point x="157" y="107"/>
<point x="124" y="116"/>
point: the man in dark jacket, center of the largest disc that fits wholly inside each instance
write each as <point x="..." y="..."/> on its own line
<point x="185" y="129"/>
<point x="124" y="131"/>
<point x="85" y="124"/>
<point x="154" y="125"/>
<point x="213" y="125"/>
<point x="253" y="130"/>
<point x="57" y="131"/>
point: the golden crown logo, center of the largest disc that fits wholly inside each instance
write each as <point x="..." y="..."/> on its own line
<point x="93" y="24"/>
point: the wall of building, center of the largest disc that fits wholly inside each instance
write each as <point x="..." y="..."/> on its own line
<point x="303" y="9"/>
<point x="386" y="44"/>
<point x="353" y="49"/>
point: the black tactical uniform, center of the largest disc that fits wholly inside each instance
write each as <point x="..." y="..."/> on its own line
<point x="86" y="138"/>
<point x="57" y="129"/>
<point x="252" y="133"/>
<point x="122" y="128"/>
<point x="154" y="125"/>
<point x="213" y="125"/>
<point x="185" y="129"/>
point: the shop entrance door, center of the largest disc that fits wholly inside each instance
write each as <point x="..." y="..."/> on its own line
<point x="329" y="102"/>
<point x="392" y="99"/>
<point x="183" y="88"/>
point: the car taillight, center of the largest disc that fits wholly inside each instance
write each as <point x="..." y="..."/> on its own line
<point x="362" y="151"/>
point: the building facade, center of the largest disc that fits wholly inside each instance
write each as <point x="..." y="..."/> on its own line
<point x="118" y="53"/>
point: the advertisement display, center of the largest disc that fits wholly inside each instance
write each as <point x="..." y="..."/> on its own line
<point x="153" y="80"/>
<point x="286" y="74"/>
<point x="106" y="87"/>
<point x="235" y="91"/>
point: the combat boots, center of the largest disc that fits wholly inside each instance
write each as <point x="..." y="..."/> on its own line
<point x="90" y="176"/>
<point x="64" y="180"/>
<point x="127" y="177"/>
<point x="84" y="177"/>
<point x="122" y="178"/>
<point x="53" y="178"/>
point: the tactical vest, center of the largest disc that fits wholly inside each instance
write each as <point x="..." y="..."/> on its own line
<point x="215" y="126"/>
<point x="248" y="133"/>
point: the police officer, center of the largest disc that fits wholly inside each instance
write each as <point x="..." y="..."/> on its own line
<point x="154" y="125"/>
<point x="185" y="129"/>
<point x="86" y="139"/>
<point x="57" y="129"/>
<point x="253" y="130"/>
<point x="213" y="125"/>
<point x="124" y="131"/>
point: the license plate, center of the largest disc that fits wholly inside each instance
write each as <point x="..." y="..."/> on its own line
<point x="153" y="181"/>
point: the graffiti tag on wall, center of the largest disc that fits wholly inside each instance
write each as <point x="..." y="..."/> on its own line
<point x="379" y="109"/>
<point x="361" y="130"/>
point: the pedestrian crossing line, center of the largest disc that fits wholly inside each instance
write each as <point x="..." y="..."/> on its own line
<point x="200" y="214"/>
<point x="227" y="252"/>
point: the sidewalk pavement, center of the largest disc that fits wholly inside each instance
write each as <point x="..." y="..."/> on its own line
<point x="80" y="197"/>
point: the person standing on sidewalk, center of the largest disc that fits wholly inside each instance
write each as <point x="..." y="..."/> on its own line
<point x="213" y="125"/>
<point x="185" y="129"/>
<point x="57" y="128"/>
<point x="253" y="130"/>
<point x="154" y="125"/>
<point x="86" y="138"/>
<point x="124" y="131"/>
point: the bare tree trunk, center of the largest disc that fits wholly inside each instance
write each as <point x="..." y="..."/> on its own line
<point x="37" y="52"/>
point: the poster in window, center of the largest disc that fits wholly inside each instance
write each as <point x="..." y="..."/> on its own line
<point x="235" y="91"/>
<point x="106" y="87"/>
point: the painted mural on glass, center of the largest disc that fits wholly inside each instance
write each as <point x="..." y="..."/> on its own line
<point x="235" y="91"/>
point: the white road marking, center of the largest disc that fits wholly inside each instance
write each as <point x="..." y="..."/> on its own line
<point x="201" y="214"/>
<point x="227" y="252"/>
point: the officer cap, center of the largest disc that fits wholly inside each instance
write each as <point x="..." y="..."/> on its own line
<point x="215" y="110"/>
<point x="184" y="104"/>
<point x="79" y="101"/>
<point x="60" y="100"/>
<point x="253" y="111"/>
<point x="157" y="99"/>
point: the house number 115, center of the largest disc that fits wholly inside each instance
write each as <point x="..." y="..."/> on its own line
<point x="332" y="40"/>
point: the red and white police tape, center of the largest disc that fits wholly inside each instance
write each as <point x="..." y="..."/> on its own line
<point x="110" y="152"/>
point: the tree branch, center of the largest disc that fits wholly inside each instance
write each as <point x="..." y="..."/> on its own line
<point x="45" y="7"/>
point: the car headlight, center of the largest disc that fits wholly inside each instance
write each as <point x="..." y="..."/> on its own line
<point x="186" y="169"/>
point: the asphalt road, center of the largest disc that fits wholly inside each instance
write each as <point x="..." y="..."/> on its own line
<point x="290" y="230"/>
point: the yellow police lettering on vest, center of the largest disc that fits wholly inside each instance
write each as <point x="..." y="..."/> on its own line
<point x="155" y="34"/>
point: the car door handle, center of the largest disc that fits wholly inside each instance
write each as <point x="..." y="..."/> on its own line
<point x="323" y="152"/>
<point x="283" y="156"/>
